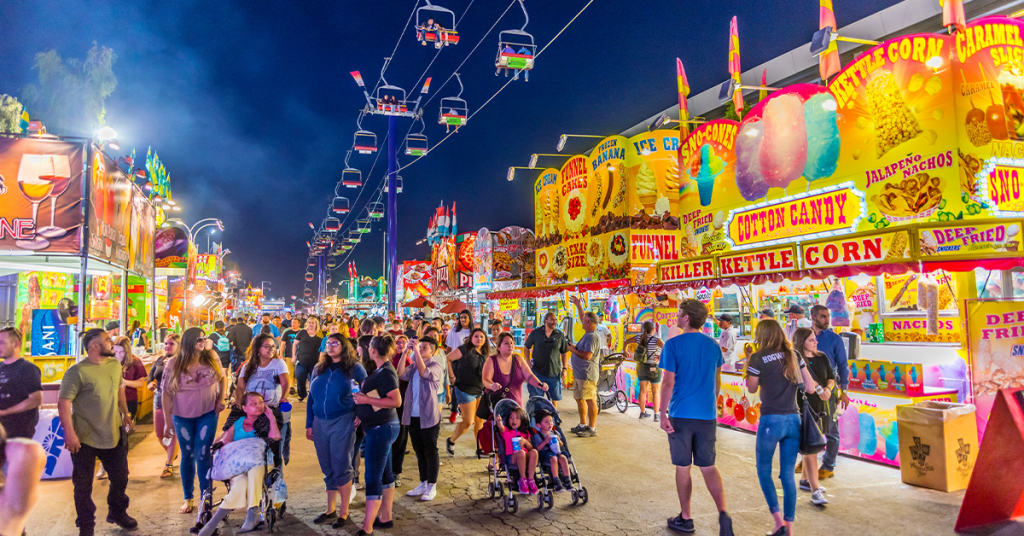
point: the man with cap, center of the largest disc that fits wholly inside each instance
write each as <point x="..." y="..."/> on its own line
<point x="795" y="313"/>
<point x="728" y="339"/>
<point x="766" y="314"/>
<point x="113" y="328"/>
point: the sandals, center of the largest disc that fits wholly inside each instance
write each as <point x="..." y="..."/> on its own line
<point x="187" y="507"/>
<point x="167" y="472"/>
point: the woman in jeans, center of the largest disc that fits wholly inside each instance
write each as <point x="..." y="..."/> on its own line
<point x="155" y="378"/>
<point x="421" y="415"/>
<point x="377" y="417"/>
<point x="330" y="423"/>
<point x="776" y="370"/>
<point x="467" y="363"/>
<point x="649" y="373"/>
<point x="193" y="395"/>
<point x="805" y="344"/>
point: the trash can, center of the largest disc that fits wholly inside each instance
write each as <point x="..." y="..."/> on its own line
<point x="938" y="444"/>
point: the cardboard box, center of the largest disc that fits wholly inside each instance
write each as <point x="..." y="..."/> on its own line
<point x="906" y="379"/>
<point x="938" y="444"/>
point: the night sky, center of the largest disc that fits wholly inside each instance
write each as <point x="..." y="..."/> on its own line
<point x="251" y="107"/>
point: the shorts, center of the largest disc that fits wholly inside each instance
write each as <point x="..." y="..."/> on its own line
<point x="554" y="387"/>
<point x="648" y="373"/>
<point x="509" y="464"/>
<point x="158" y="401"/>
<point x="544" y="457"/>
<point x="692" y="442"/>
<point x="464" y="398"/>
<point x="584" y="390"/>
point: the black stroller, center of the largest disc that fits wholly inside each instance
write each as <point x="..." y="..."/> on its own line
<point x="534" y="406"/>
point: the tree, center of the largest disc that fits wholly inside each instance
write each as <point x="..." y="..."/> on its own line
<point x="71" y="93"/>
<point x="730" y="111"/>
<point x="10" y="114"/>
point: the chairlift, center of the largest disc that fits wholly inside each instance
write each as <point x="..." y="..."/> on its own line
<point x="309" y="276"/>
<point x="390" y="100"/>
<point x="332" y="263"/>
<point x="332" y="225"/>
<point x="340" y="205"/>
<point x="454" y="110"/>
<point x="364" y="226"/>
<point x="311" y="261"/>
<point x="364" y="141"/>
<point x="350" y="176"/>
<point x="416" y="142"/>
<point x="328" y="278"/>
<point x="516" y="48"/>
<point x="398" y="183"/>
<point x="307" y="293"/>
<point x="376" y="210"/>
<point x="438" y="32"/>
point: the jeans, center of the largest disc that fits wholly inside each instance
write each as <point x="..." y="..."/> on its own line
<point x="195" y="437"/>
<point x="424" y="442"/>
<point x="302" y="379"/>
<point x="401" y="442"/>
<point x="334" y="440"/>
<point x="784" y="431"/>
<point x="378" y="459"/>
<point x="828" y="461"/>
<point x="115" y="461"/>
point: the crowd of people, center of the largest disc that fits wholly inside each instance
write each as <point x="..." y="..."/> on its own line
<point x="372" y="384"/>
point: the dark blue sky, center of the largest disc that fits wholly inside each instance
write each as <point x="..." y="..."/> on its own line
<point x="251" y="107"/>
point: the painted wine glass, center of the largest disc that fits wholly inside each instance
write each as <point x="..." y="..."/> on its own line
<point x="56" y="169"/>
<point x="36" y="190"/>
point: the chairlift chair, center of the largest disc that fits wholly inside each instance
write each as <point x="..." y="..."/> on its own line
<point x="364" y="142"/>
<point x="454" y="112"/>
<point x="332" y="263"/>
<point x="398" y="183"/>
<point x="390" y="100"/>
<point x="328" y="278"/>
<point x="516" y="48"/>
<point x="311" y="261"/>
<point x="364" y="226"/>
<point x="309" y="276"/>
<point x="442" y="34"/>
<point x="340" y="205"/>
<point x="416" y="145"/>
<point x="307" y="293"/>
<point x="332" y="225"/>
<point x="376" y="210"/>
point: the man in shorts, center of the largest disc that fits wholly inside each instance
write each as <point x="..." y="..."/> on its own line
<point x="692" y="365"/>
<point x="586" y="364"/>
<point x="549" y="352"/>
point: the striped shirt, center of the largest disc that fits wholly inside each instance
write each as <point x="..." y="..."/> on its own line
<point x="653" y="350"/>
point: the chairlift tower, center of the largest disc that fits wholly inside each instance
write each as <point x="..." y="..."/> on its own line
<point x="391" y="101"/>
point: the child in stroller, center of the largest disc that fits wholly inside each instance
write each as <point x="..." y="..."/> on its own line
<point x="246" y="486"/>
<point x="517" y="452"/>
<point x="556" y="473"/>
<point x="549" y="452"/>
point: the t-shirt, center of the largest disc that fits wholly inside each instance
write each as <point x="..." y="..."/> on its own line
<point x="507" y="437"/>
<point x="821" y="370"/>
<point x="694" y="359"/>
<point x="605" y="334"/>
<point x="268" y="328"/>
<point x="547" y="351"/>
<point x="653" y="350"/>
<point x="469" y="370"/>
<point x="792" y="325"/>
<point x="383" y="381"/>
<point x="156" y="371"/>
<point x="240" y="336"/>
<point x="778" y="393"/>
<point x="307" y="351"/>
<point x="728" y="341"/>
<point x="287" y="337"/>
<point x="136" y="371"/>
<point x="456" y="339"/>
<point x="18" y="380"/>
<point x="92" y="389"/>
<point x="266" y="381"/>
<point x="582" y="368"/>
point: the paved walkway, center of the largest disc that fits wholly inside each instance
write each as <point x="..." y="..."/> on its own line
<point x="626" y="469"/>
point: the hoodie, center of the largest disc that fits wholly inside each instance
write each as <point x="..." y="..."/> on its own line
<point x="330" y="393"/>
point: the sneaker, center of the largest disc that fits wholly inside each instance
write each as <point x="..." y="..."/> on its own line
<point x="805" y="485"/>
<point x="524" y="488"/>
<point x="418" y="490"/>
<point x="566" y="482"/>
<point x="324" y="518"/>
<point x="101" y="474"/>
<point x="398" y="480"/>
<point x="124" y="521"/>
<point x="799" y="467"/>
<point x="430" y="493"/>
<point x="557" y="486"/>
<point x="644" y="415"/>
<point x="589" y="432"/>
<point x="818" y="497"/>
<point x="578" y="428"/>
<point x="825" y="473"/>
<point x="378" y="524"/>
<point x="449" y="446"/>
<point x="724" y="524"/>
<point x="533" y="487"/>
<point x="781" y="531"/>
<point x="680" y="524"/>
<point x="656" y="417"/>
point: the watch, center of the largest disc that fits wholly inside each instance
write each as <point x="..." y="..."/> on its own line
<point x="819" y="390"/>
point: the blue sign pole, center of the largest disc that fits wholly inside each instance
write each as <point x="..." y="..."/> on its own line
<point x="392" y="242"/>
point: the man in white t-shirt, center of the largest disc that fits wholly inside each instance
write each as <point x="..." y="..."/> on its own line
<point x="728" y="339"/>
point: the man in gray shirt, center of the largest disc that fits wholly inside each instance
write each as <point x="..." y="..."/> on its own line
<point x="586" y="365"/>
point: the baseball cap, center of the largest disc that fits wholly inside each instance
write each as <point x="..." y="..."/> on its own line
<point x="768" y="312"/>
<point x="794" y="310"/>
<point x="726" y="317"/>
<point x="111" y="325"/>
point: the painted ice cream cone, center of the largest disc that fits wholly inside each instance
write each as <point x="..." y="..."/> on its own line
<point x="646" y="186"/>
<point x="672" y="181"/>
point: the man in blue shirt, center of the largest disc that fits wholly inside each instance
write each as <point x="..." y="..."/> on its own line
<point x="266" y="327"/>
<point x="692" y="364"/>
<point x="832" y="346"/>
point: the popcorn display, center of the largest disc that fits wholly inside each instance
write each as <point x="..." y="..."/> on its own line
<point x="893" y="120"/>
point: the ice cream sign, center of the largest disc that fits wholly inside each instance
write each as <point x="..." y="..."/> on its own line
<point x="817" y="214"/>
<point x="955" y="240"/>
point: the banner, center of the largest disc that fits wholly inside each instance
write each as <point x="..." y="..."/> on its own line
<point x="40" y="290"/>
<point x="110" y="211"/>
<point x="208" y="266"/>
<point x="996" y="344"/>
<point x="483" y="261"/>
<point x="41" y="195"/>
<point x="415" y="279"/>
<point x="973" y="241"/>
<point x="443" y="264"/>
<point x="871" y="249"/>
<point x="171" y="247"/>
<point x="49" y="333"/>
<point x="464" y="246"/>
<point x="141" y="257"/>
<point x="513" y="255"/>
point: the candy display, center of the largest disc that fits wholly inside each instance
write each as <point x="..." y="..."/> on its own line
<point x="748" y="166"/>
<point x="783" y="153"/>
<point x="822" y="136"/>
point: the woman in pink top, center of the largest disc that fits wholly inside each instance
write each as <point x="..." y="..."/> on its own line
<point x="193" y="395"/>
<point x="506" y="372"/>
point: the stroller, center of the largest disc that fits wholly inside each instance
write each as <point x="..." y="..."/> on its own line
<point x="272" y="500"/>
<point x="502" y="478"/>
<point x="608" y="393"/>
<point x="534" y="406"/>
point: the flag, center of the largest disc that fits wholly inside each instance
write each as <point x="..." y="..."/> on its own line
<point x="426" y="86"/>
<point x="764" y="83"/>
<point x="358" y="77"/>
<point x="734" y="64"/>
<point x="828" y="61"/>
<point x="953" y="14"/>
<point x="24" y="119"/>
<point x="455" y="226"/>
<point x="683" y="87"/>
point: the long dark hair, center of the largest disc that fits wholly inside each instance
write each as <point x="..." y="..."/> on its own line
<point x="252" y="355"/>
<point x="348" y="355"/>
<point x="458" y="323"/>
<point x="800" y="337"/>
<point x="188" y="357"/>
<point x="484" y="350"/>
<point x="648" y="328"/>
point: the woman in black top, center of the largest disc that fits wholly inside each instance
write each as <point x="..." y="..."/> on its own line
<point x="467" y="362"/>
<point x="375" y="414"/>
<point x="306" y="354"/>
<point x="805" y="344"/>
<point x="153" y="381"/>
<point x="776" y="370"/>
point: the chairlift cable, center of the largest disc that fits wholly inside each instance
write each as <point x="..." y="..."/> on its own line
<point x="400" y="36"/>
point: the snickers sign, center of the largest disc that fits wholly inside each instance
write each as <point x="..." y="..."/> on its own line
<point x="761" y="262"/>
<point x="687" y="270"/>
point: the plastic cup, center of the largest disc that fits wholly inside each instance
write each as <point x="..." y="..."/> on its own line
<point x="705" y="187"/>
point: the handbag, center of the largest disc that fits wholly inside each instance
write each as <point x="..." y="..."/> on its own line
<point x="812" y="439"/>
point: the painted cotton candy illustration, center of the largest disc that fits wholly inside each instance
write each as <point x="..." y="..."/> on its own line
<point x="849" y="428"/>
<point x="822" y="137"/>
<point x="783" y="152"/>
<point x="748" y="166"/>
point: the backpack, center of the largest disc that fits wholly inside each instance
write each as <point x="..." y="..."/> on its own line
<point x="223" y="344"/>
<point x="640" y="353"/>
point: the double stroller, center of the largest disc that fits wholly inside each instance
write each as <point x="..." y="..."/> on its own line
<point x="502" y="480"/>
<point x="272" y="499"/>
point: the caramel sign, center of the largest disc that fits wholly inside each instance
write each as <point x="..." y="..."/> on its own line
<point x="688" y="270"/>
<point x="806" y="216"/>
<point x="760" y="262"/>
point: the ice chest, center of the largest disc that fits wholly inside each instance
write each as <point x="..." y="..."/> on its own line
<point x="938" y="444"/>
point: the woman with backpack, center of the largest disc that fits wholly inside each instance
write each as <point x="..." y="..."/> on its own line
<point x="646" y="355"/>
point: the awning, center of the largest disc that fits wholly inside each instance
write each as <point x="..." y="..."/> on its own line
<point x="544" y="292"/>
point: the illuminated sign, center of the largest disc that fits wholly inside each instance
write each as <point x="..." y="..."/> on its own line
<point x="688" y="270"/>
<point x="816" y="214"/>
<point x="761" y="262"/>
<point x="999" y="184"/>
<point x="651" y="246"/>
<point x="891" y="247"/>
<point x="973" y="240"/>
